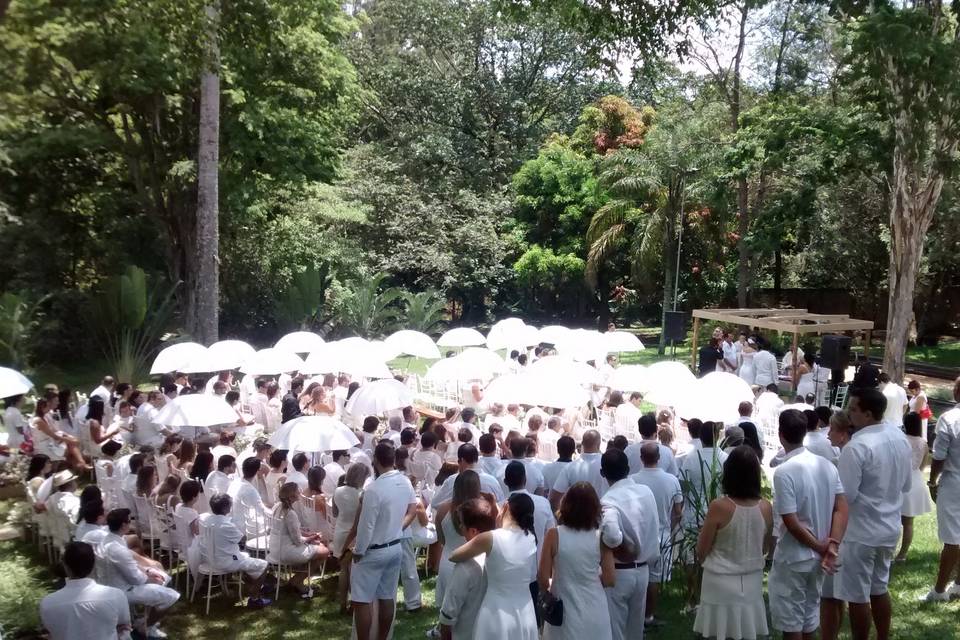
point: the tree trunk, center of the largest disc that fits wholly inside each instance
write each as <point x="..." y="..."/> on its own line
<point x="203" y="313"/>
<point x="743" y="187"/>
<point x="669" y="252"/>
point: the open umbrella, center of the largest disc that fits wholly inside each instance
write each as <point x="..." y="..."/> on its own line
<point x="512" y="336"/>
<point x="716" y="396"/>
<point x="413" y="343"/>
<point x="355" y="356"/>
<point x="667" y="383"/>
<point x="583" y="345"/>
<point x="311" y="434"/>
<point x="461" y="337"/>
<point x="550" y="390"/>
<point x="473" y="364"/>
<point x="272" y="361"/>
<point x="622" y="342"/>
<point x="176" y="357"/>
<point x="13" y="383"/>
<point x="553" y="334"/>
<point x="220" y="356"/>
<point x="299" y="342"/>
<point x="377" y="397"/>
<point x="564" y="367"/>
<point x="505" y="389"/>
<point x="196" y="410"/>
<point x="628" y="377"/>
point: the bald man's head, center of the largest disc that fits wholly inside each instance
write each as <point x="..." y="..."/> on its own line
<point x="591" y="441"/>
<point x="650" y="454"/>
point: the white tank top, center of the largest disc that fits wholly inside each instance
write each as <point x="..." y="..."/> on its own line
<point x="738" y="547"/>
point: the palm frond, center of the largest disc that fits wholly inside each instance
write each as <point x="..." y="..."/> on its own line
<point x="601" y="249"/>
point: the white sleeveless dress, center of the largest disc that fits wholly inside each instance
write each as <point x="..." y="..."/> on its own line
<point x="506" y="612"/>
<point x="916" y="502"/>
<point x="576" y="581"/>
<point x="746" y="366"/>
<point x="731" y="594"/>
<point x="451" y="541"/>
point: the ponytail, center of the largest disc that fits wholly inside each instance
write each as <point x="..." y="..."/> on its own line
<point x="521" y="511"/>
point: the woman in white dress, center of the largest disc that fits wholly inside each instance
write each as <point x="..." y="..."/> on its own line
<point x="186" y="521"/>
<point x="745" y="364"/>
<point x="312" y="508"/>
<point x="918" y="402"/>
<point x="916" y="501"/>
<point x="732" y="547"/>
<point x="289" y="546"/>
<point x="579" y="567"/>
<point x="465" y="487"/>
<point x="346" y="508"/>
<point x="506" y="611"/>
<point x="276" y="476"/>
<point x="52" y="442"/>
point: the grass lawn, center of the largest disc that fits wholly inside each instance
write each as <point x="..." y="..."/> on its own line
<point x="24" y="579"/>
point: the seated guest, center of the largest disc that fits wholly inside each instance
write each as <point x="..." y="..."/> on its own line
<point x="287" y="543"/>
<point x="333" y="471"/>
<point x="468" y="582"/>
<point x="298" y="474"/>
<point x="225" y="446"/>
<point x="91" y="526"/>
<point x="226" y="544"/>
<point x="426" y="459"/>
<point x="248" y="508"/>
<point x="144" y="587"/>
<point x="219" y="481"/>
<point x="83" y="609"/>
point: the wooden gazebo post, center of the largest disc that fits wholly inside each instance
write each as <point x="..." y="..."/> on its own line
<point x="693" y="348"/>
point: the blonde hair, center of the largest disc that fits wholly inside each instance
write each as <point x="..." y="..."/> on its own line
<point x="841" y="420"/>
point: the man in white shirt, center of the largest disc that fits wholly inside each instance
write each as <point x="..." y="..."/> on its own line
<point x="248" y="508"/>
<point x="534" y="478"/>
<point x="225" y="377"/>
<point x="875" y="471"/>
<point x="121" y="570"/>
<point x="648" y="433"/>
<point x="389" y="506"/>
<point x="298" y="470"/>
<point x="468" y="581"/>
<point x="467" y="458"/>
<point x="510" y="421"/>
<point x="226" y="537"/>
<point x="816" y="440"/>
<point x="426" y="460"/>
<point x="547" y="436"/>
<point x="566" y="447"/>
<point x="334" y="470"/>
<point x="810" y="512"/>
<point x="768" y="409"/>
<point x="490" y="461"/>
<point x="219" y="481"/>
<point x="896" y="401"/>
<point x="700" y="468"/>
<point x="745" y="413"/>
<point x="627" y="414"/>
<point x="515" y="478"/>
<point x="665" y="488"/>
<point x="584" y="469"/>
<point x="497" y="412"/>
<point x="631" y="528"/>
<point x="105" y="393"/>
<point x="945" y="489"/>
<point x="146" y="430"/>
<point x="730" y="351"/>
<point x="765" y="366"/>
<point x="18" y="429"/>
<point x="83" y="609"/>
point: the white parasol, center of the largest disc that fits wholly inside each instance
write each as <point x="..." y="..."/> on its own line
<point x="299" y="342"/>
<point x="13" y="383"/>
<point x="413" y="343"/>
<point x="272" y="361"/>
<point x="196" y="410"/>
<point x="176" y="357"/>
<point x="311" y="434"/>
<point x="461" y="337"/>
<point x="377" y="397"/>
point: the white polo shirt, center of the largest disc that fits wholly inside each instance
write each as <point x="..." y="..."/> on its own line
<point x="806" y="484"/>
<point x="488" y="484"/>
<point x="584" y="469"/>
<point x="896" y="401"/>
<point x="946" y="447"/>
<point x="667" y="462"/>
<point x="666" y="490"/>
<point x="875" y="471"/>
<point x="463" y="596"/>
<point x="552" y="471"/>
<point x="83" y="610"/>
<point x="699" y="468"/>
<point x="534" y="474"/>
<point x="630" y="515"/>
<point x="818" y="443"/>
<point x="385" y="504"/>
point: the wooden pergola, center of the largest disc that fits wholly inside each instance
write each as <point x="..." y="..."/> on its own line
<point x="797" y="322"/>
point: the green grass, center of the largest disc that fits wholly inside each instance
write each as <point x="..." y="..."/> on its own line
<point x="24" y="579"/>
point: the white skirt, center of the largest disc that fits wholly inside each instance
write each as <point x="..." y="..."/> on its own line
<point x="948" y="509"/>
<point x="916" y="502"/>
<point x="731" y="606"/>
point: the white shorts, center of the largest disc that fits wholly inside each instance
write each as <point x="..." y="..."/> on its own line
<point x="864" y="572"/>
<point x="828" y="588"/>
<point x="948" y="510"/>
<point x="376" y="575"/>
<point x="794" y="591"/>
<point x="660" y="566"/>
<point x="243" y="563"/>
<point x="152" y="595"/>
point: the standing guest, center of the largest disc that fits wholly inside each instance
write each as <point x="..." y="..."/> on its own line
<point x="709" y="357"/>
<point x="816" y="440"/>
<point x="730" y="352"/>
<point x="122" y="571"/>
<point x="274" y="407"/>
<point x="289" y="546"/>
<point x="468" y="580"/>
<point x="732" y="547"/>
<point x="547" y="437"/>
<point x="566" y="447"/>
<point x="631" y="529"/>
<point x="83" y="609"/>
<point x="745" y="414"/>
<point x="228" y="557"/>
<point x="700" y="468"/>
<point x="896" y="401"/>
<point x="466" y="487"/>
<point x="875" y="472"/>
<point x="290" y="405"/>
<point x="467" y="458"/>
<point x="105" y="392"/>
<point x="571" y="554"/>
<point x="627" y="414"/>
<point x="916" y="502"/>
<point x="489" y="462"/>
<point x="506" y="611"/>
<point x="334" y="470"/>
<point x="300" y="463"/>
<point x="946" y="469"/>
<point x="584" y="469"/>
<point x="665" y="488"/>
<point x="809" y="501"/>
<point x="368" y="437"/>
<point x="346" y="504"/>
<point x="765" y="365"/>
<point x="867" y="375"/>
<point x="515" y="477"/>
<point x="831" y="607"/>
<point x="389" y="506"/>
<point x="648" y="433"/>
<point x="918" y="404"/>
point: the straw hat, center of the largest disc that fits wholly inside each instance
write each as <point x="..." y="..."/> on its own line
<point x="63" y="477"/>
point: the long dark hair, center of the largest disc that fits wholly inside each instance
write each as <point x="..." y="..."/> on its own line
<point x="741" y="474"/>
<point x="37" y="463"/>
<point x="521" y="510"/>
<point x="95" y="409"/>
<point x="202" y="465"/>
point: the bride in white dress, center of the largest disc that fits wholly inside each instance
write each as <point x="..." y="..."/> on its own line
<point x="506" y="611"/>
<point x="745" y="370"/>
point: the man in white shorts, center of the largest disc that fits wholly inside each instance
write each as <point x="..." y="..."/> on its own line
<point x="226" y="543"/>
<point x="389" y="506"/>
<point x="875" y="473"/>
<point x="120" y="570"/>
<point x="946" y="468"/>
<point x="809" y="503"/>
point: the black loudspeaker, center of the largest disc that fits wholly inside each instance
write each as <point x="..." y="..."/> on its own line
<point x="835" y="352"/>
<point x="675" y="326"/>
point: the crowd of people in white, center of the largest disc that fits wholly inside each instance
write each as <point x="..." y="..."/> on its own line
<point x="535" y="521"/>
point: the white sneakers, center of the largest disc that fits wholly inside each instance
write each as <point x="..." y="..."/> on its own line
<point x="953" y="591"/>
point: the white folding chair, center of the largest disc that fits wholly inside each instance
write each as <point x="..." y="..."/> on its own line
<point x="147" y="523"/>
<point x="206" y="568"/>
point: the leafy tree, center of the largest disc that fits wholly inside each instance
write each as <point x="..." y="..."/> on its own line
<point x="424" y="311"/>
<point x="551" y="282"/>
<point x="18" y="320"/>
<point x="369" y="309"/>
<point x="301" y="304"/>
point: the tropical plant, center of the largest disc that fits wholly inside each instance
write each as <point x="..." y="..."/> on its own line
<point x="128" y="317"/>
<point x="369" y="309"/>
<point x="424" y="311"/>
<point x="698" y="493"/>
<point x="302" y="303"/>
<point x="18" y="319"/>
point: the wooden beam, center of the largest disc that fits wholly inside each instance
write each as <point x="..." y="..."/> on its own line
<point x="818" y="323"/>
<point x="693" y="348"/>
<point x="794" y="365"/>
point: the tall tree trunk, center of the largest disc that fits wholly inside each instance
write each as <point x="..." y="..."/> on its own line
<point x="204" y="320"/>
<point x="743" y="187"/>
<point x="669" y="252"/>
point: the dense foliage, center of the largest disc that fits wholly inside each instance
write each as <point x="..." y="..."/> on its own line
<point x="444" y="159"/>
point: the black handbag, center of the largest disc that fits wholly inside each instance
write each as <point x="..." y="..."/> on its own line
<point x="552" y="608"/>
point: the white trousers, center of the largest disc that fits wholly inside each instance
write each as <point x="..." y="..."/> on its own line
<point x="409" y="577"/>
<point x="627" y="602"/>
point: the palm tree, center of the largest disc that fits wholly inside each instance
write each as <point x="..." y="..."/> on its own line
<point x="370" y="310"/>
<point x="425" y="311"/>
